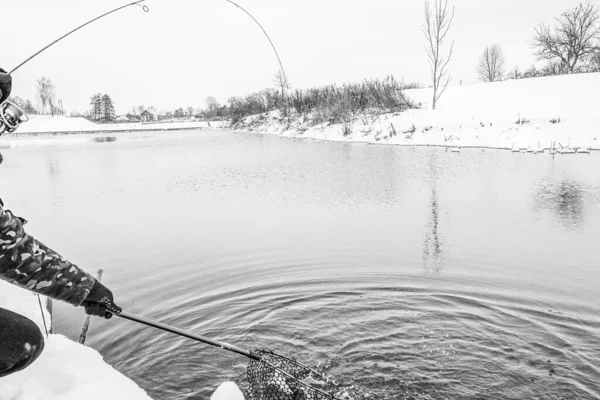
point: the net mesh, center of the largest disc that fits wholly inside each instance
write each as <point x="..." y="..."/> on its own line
<point x="267" y="382"/>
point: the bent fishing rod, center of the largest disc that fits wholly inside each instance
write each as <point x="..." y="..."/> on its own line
<point x="145" y="8"/>
<point x="11" y="115"/>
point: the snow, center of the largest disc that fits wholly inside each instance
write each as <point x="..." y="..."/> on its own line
<point x="559" y="109"/>
<point x="43" y="130"/>
<point x="67" y="370"/>
<point x="227" y="391"/>
<point x="63" y="124"/>
<point x="482" y="115"/>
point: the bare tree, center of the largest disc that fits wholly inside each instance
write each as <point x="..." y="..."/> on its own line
<point x="281" y="82"/>
<point x="491" y="64"/>
<point x="437" y="25"/>
<point x="46" y="92"/>
<point x="190" y="111"/>
<point x="212" y="105"/>
<point x="595" y="63"/>
<point x="574" y="38"/>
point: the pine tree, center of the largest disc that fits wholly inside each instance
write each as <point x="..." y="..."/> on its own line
<point x="96" y="103"/>
<point x="108" y="108"/>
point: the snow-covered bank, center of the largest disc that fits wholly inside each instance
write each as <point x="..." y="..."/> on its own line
<point x="45" y="124"/>
<point x="523" y="113"/>
<point x="47" y="130"/>
<point x="67" y="370"/>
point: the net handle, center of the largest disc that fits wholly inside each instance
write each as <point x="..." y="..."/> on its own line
<point x="180" y="332"/>
<point x="222" y="345"/>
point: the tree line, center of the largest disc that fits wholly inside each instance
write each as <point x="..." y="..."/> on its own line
<point x="570" y="45"/>
<point x="46" y="102"/>
<point x="103" y="108"/>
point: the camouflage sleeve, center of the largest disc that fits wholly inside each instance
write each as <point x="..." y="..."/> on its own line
<point x="28" y="263"/>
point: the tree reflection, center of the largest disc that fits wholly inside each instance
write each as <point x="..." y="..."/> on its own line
<point x="432" y="248"/>
<point x="565" y="200"/>
<point x="54" y="168"/>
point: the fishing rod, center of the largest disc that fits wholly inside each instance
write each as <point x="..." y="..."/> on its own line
<point x="11" y="115"/>
<point x="269" y="374"/>
<point x="266" y="34"/>
<point x="145" y="8"/>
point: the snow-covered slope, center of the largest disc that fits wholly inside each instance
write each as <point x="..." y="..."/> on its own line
<point x="521" y="113"/>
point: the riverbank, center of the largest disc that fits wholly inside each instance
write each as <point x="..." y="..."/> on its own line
<point x="537" y="113"/>
<point x="55" y="125"/>
<point x="65" y="370"/>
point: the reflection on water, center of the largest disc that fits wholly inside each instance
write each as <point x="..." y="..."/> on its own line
<point x="104" y="139"/>
<point x="54" y="168"/>
<point x="566" y="200"/>
<point x="432" y="247"/>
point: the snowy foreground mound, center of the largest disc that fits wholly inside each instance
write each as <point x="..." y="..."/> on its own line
<point x="67" y="370"/>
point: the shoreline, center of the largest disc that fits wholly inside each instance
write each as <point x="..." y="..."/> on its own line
<point x="519" y="115"/>
<point x="407" y="130"/>
<point x="98" y="131"/>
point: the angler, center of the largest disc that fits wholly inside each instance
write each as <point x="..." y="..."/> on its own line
<point x="30" y="264"/>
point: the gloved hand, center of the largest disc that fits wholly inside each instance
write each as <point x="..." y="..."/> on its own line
<point x="5" y="85"/>
<point x="100" y="302"/>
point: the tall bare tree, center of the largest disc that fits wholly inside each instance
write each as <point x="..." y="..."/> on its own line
<point x="437" y="25"/>
<point x="491" y="64"/>
<point x="574" y="38"/>
<point x="281" y="82"/>
<point x="46" y="92"/>
<point x="190" y="111"/>
<point x="212" y="105"/>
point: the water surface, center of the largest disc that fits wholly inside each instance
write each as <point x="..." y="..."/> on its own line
<point x="410" y="273"/>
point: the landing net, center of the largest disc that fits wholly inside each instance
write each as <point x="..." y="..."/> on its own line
<point x="276" y="377"/>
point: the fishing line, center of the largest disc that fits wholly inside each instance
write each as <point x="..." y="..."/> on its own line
<point x="43" y="316"/>
<point x="266" y="34"/>
<point x="145" y="8"/>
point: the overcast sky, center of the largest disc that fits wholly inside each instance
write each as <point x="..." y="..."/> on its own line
<point x="185" y="50"/>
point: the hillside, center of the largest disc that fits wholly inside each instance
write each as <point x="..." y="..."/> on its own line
<point x="521" y="113"/>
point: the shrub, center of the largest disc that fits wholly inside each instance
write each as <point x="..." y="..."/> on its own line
<point x="332" y="103"/>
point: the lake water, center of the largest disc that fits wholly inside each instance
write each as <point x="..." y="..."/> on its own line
<point x="411" y="273"/>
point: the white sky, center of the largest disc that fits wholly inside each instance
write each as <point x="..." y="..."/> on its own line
<point x="185" y="50"/>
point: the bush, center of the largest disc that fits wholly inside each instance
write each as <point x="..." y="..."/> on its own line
<point x="332" y="103"/>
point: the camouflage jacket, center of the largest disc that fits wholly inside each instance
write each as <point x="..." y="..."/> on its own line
<point x="30" y="264"/>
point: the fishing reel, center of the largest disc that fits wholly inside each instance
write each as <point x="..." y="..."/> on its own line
<point x="11" y="116"/>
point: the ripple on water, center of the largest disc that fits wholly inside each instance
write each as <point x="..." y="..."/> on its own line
<point x="408" y="273"/>
<point x="389" y="341"/>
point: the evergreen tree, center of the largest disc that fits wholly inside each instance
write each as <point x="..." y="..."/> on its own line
<point x="96" y="103"/>
<point x="108" y="108"/>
